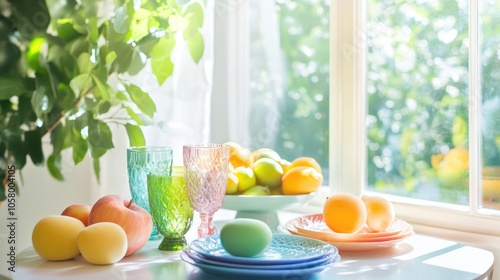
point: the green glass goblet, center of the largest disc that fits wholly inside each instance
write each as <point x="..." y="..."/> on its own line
<point x="170" y="209"/>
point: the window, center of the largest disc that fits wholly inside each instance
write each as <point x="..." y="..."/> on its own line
<point x="412" y="91"/>
<point x="416" y="67"/>
<point x="285" y="56"/>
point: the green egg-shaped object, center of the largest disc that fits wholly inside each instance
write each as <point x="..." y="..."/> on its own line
<point x="245" y="237"/>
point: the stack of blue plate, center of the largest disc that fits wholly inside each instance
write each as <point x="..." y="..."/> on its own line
<point x="288" y="257"/>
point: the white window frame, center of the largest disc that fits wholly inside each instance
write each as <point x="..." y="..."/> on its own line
<point x="347" y="164"/>
<point x="347" y="126"/>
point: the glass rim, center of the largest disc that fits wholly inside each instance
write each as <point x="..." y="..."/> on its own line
<point x="205" y="146"/>
<point x="137" y="149"/>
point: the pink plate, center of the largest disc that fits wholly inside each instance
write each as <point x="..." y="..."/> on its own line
<point x="314" y="226"/>
<point x="355" y="245"/>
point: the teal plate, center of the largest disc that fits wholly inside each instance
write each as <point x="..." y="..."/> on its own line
<point x="297" y="272"/>
<point x="284" y="249"/>
<point x="307" y="264"/>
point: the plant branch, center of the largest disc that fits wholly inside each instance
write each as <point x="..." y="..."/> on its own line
<point x="63" y="114"/>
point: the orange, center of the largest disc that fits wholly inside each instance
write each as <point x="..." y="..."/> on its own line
<point x="301" y="180"/>
<point x="380" y="212"/>
<point x="344" y="213"/>
<point x="238" y="155"/>
<point x="306" y="161"/>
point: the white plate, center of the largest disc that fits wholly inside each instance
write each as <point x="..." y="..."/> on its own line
<point x="266" y="203"/>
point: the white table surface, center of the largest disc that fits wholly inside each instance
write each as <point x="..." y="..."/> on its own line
<point x="417" y="257"/>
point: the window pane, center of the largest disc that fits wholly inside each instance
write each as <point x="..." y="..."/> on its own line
<point x="289" y="68"/>
<point x="490" y="82"/>
<point x="417" y="83"/>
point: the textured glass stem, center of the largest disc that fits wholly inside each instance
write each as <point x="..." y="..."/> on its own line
<point x="206" y="228"/>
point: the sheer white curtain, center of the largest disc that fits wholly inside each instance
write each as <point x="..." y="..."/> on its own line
<point x="183" y="109"/>
<point x="248" y="83"/>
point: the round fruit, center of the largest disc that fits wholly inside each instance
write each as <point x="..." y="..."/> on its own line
<point x="344" y="213"/>
<point x="380" y="212"/>
<point x="238" y="155"/>
<point x="306" y="161"/>
<point x="246" y="178"/>
<point x="103" y="243"/>
<point x="232" y="184"/>
<point x="266" y="153"/>
<point x="268" y="172"/>
<point x="301" y="180"/>
<point x="54" y="237"/>
<point x="285" y="164"/>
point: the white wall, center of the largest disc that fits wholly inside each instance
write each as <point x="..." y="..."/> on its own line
<point x="40" y="196"/>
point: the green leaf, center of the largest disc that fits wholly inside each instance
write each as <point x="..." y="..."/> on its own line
<point x="139" y="26"/>
<point x="195" y="14"/>
<point x="162" y="69"/>
<point x="110" y="58"/>
<point x="141" y="99"/>
<point x="122" y="96"/>
<point x="138" y="62"/>
<point x="123" y="59"/>
<point x="10" y="87"/>
<point x="196" y="45"/>
<point x="81" y="84"/>
<point x="133" y="115"/>
<point x="103" y="107"/>
<point x="163" y="48"/>
<point x="100" y="135"/>
<point x="97" y="170"/>
<point x="40" y="101"/>
<point x="121" y="20"/>
<point x="57" y="137"/>
<point x="135" y="136"/>
<point x="84" y="63"/>
<point x="93" y="29"/>
<point x="80" y="148"/>
<point x="102" y="90"/>
<point x="33" y="53"/>
<point x="33" y="140"/>
<point x="18" y="150"/>
<point x="54" y="166"/>
<point x="177" y="23"/>
<point x="32" y="17"/>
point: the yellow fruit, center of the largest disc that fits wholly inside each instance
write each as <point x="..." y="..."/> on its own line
<point x="257" y="191"/>
<point x="380" y="212"/>
<point x="103" y="243"/>
<point x="306" y="161"/>
<point x="246" y="178"/>
<point x="230" y="168"/>
<point x="54" y="237"/>
<point x="268" y="172"/>
<point x="344" y="213"/>
<point x="239" y="156"/>
<point x="301" y="180"/>
<point x="232" y="184"/>
<point x="266" y="153"/>
<point x="285" y="164"/>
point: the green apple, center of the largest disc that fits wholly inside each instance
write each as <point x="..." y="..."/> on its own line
<point x="246" y="178"/>
<point x="268" y="172"/>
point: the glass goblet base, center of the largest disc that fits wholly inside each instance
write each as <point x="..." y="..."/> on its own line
<point x="172" y="244"/>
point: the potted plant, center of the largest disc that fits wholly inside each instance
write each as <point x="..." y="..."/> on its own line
<point x="63" y="69"/>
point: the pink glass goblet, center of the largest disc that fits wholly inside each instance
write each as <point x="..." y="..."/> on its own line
<point x="206" y="170"/>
